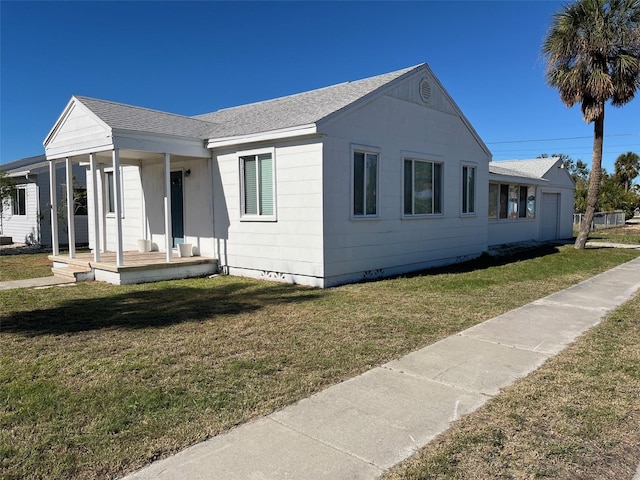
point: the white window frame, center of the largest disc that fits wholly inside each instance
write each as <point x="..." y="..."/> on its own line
<point x="434" y="160"/>
<point x="257" y="217"/>
<point x="15" y="201"/>
<point x="108" y="172"/>
<point x="465" y="192"/>
<point x="366" y="150"/>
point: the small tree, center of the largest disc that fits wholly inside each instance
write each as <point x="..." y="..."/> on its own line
<point x="7" y="186"/>
<point x="627" y="168"/>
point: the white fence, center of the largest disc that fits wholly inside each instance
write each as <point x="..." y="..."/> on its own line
<point x="602" y="219"/>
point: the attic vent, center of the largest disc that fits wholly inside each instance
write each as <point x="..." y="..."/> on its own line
<point x="425" y="90"/>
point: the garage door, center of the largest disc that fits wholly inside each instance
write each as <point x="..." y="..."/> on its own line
<point x="549" y="220"/>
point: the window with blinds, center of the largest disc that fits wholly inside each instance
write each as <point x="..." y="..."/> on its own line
<point x="258" y="191"/>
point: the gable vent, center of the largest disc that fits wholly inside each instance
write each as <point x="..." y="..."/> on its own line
<point x="425" y="90"/>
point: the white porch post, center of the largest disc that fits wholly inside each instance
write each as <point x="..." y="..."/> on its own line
<point x="167" y="207"/>
<point x="96" y="211"/>
<point x="118" y="206"/>
<point x="54" y="207"/>
<point x="101" y="210"/>
<point x="71" y="227"/>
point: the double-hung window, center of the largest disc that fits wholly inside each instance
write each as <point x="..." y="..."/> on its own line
<point x="422" y="187"/>
<point x="258" y="194"/>
<point x="365" y="183"/>
<point x="468" y="189"/>
<point x="19" y="201"/>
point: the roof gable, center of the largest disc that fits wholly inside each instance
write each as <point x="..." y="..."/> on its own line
<point x="535" y="169"/>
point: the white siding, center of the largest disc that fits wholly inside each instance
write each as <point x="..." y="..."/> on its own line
<point x="77" y="129"/>
<point x="392" y="243"/>
<point x="23" y="228"/>
<point x="197" y="198"/>
<point x="35" y="226"/>
<point x="558" y="182"/>
<point x="132" y="223"/>
<point x="289" y="248"/>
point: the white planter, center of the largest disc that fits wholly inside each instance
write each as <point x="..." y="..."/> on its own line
<point x="144" y="246"/>
<point x="185" y="249"/>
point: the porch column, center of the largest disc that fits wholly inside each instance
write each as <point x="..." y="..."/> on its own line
<point x="118" y="206"/>
<point x="167" y="207"/>
<point x="96" y="211"/>
<point x="53" y="198"/>
<point x="101" y="210"/>
<point x="71" y="227"/>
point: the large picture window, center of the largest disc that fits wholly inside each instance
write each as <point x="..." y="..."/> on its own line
<point x="512" y="201"/>
<point x="365" y="183"/>
<point x="422" y="187"/>
<point x="258" y="192"/>
<point x="468" y="189"/>
<point x="19" y="201"/>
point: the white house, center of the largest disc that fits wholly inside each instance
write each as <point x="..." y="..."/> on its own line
<point x="358" y="180"/>
<point x="26" y="218"/>
<point x="529" y="200"/>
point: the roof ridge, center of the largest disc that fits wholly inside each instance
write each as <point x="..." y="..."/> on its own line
<point x="154" y="110"/>
<point x="284" y="97"/>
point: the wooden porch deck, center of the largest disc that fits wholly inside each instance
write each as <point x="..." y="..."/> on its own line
<point x="138" y="267"/>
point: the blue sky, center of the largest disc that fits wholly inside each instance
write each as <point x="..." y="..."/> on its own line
<point x="196" y="57"/>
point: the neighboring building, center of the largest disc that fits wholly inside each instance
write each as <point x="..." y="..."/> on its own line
<point x="26" y="218"/>
<point x="354" y="181"/>
<point x="530" y="200"/>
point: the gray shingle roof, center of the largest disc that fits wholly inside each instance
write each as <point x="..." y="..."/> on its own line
<point x="534" y="168"/>
<point x="294" y="110"/>
<point x="280" y="113"/>
<point x="138" y="119"/>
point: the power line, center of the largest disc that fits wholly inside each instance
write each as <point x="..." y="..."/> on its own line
<point x="560" y="139"/>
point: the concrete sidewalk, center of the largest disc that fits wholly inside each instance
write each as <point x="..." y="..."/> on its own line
<point x="39" y="282"/>
<point x="361" y="427"/>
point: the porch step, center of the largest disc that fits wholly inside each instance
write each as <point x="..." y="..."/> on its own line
<point x="77" y="273"/>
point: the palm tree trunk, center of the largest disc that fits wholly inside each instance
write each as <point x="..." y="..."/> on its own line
<point x="595" y="179"/>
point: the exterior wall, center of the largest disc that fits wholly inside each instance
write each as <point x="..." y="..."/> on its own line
<point x="392" y="243"/>
<point x="288" y="249"/>
<point x="23" y="228"/>
<point x="558" y="181"/>
<point x="197" y="198"/>
<point x="35" y="226"/>
<point x="132" y="221"/>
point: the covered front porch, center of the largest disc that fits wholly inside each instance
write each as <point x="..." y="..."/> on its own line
<point x="149" y="197"/>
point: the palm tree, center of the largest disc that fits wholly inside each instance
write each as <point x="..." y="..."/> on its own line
<point x="592" y="53"/>
<point x="627" y="168"/>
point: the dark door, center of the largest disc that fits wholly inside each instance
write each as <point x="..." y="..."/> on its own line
<point x="177" y="208"/>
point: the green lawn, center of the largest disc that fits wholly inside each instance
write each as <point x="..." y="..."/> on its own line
<point x="19" y="267"/>
<point x="97" y="380"/>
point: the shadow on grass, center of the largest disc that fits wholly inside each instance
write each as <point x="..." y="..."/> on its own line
<point x="487" y="261"/>
<point x="153" y="308"/>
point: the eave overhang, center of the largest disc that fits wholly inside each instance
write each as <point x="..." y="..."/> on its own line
<point x="294" y="132"/>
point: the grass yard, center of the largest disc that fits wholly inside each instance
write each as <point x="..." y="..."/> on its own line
<point x="629" y="234"/>
<point x="577" y="417"/>
<point x="19" y="267"/>
<point x="97" y="380"/>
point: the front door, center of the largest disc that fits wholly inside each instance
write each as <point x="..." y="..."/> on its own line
<point x="177" y="208"/>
